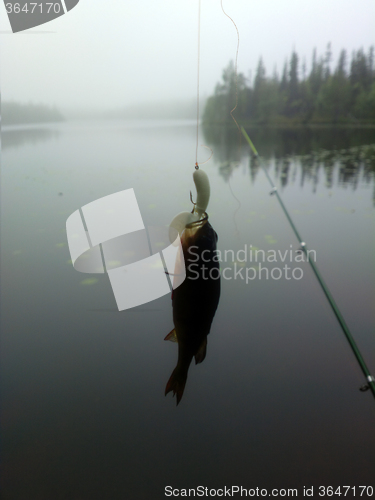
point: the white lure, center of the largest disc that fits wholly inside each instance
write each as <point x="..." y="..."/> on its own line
<point x="179" y="223"/>
<point x="202" y="185"/>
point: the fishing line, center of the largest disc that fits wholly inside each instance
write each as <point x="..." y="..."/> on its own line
<point x="198" y="79"/>
<point x="203" y="146"/>
<point x="235" y="73"/>
<point x="202" y="184"/>
<point x="198" y="62"/>
<point x="235" y="121"/>
<point x="370" y="380"/>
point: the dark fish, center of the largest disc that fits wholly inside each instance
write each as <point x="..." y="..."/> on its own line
<point x="195" y="301"/>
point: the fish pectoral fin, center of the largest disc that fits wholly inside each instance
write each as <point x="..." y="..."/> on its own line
<point x="172" y="336"/>
<point x="201" y="354"/>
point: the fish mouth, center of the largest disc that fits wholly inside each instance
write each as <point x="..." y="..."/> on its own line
<point x="199" y="222"/>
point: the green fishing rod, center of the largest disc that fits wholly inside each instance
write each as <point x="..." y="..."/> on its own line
<point x="370" y="380"/>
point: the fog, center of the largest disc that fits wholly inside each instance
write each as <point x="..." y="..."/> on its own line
<point x="103" y="55"/>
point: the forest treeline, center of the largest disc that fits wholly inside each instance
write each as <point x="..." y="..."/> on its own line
<point x="14" y="113"/>
<point x="345" y="94"/>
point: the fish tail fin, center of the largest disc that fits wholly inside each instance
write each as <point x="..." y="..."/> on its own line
<point x="176" y="383"/>
<point x="201" y="353"/>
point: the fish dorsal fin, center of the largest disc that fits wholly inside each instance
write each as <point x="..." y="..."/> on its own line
<point x="172" y="336"/>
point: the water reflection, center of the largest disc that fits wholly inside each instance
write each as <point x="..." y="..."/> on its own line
<point x="13" y="137"/>
<point x="352" y="151"/>
<point x="83" y="390"/>
<point x="194" y="302"/>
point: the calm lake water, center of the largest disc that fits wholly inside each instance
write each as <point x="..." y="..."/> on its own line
<point x="276" y="402"/>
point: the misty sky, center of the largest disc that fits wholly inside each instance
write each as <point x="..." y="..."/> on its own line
<point x="107" y="53"/>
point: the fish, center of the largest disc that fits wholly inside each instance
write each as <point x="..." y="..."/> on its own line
<point x="194" y="302"/>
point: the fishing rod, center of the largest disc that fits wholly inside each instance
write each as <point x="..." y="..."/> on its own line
<point x="369" y="378"/>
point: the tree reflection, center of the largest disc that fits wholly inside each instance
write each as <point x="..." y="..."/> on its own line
<point x="345" y="156"/>
<point x="19" y="136"/>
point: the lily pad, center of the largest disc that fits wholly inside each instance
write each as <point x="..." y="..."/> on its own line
<point x="89" y="281"/>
